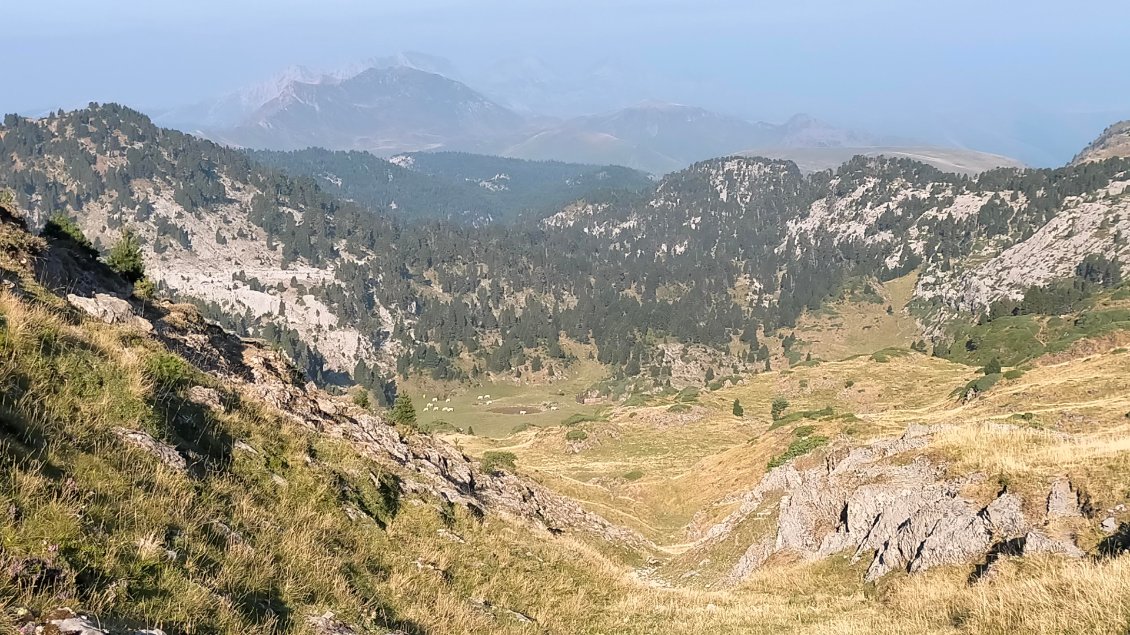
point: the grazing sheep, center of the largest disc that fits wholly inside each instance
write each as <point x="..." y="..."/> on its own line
<point x="521" y="412"/>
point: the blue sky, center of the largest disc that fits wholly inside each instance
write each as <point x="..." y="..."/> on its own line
<point x="1004" y="75"/>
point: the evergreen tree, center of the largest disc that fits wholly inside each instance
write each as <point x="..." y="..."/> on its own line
<point x="993" y="367"/>
<point x="738" y="410"/>
<point x="125" y="257"/>
<point x="403" y="412"/>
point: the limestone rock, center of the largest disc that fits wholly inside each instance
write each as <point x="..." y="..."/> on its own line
<point x="64" y="621"/>
<point x="424" y="464"/>
<point x="327" y="624"/>
<point x="110" y="310"/>
<point x="1039" y="542"/>
<point x="899" y="514"/>
<point x="207" y="397"/>
<point x="163" y="451"/>
<point x="1063" y="501"/>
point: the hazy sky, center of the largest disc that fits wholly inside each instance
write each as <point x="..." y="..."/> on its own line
<point x="1037" y="72"/>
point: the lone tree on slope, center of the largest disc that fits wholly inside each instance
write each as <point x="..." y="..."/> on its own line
<point x="403" y="412"/>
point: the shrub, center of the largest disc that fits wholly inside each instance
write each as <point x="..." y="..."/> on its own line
<point x="780" y="404"/>
<point x="679" y="407"/>
<point x="849" y="383"/>
<point x="634" y="475"/>
<point x="804" y="431"/>
<point x="125" y="257"/>
<point x="61" y="227"/>
<point x="494" y="462"/>
<point x="577" y="418"/>
<point x="168" y="371"/>
<point x="738" y="410"/>
<point x="576" y="435"/>
<point x="798" y="448"/>
<point x="1015" y="373"/>
<point x="993" y="367"/>
<point x="687" y="394"/>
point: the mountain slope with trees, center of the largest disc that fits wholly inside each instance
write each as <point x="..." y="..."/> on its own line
<point x="724" y="255"/>
<point x="454" y="186"/>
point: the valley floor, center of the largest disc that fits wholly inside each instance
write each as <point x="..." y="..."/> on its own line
<point x="674" y="468"/>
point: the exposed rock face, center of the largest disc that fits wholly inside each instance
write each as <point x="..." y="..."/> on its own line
<point x="900" y="515"/>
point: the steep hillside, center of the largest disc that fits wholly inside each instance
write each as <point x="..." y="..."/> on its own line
<point x="461" y="187"/>
<point x="1113" y="142"/>
<point x="159" y="471"/>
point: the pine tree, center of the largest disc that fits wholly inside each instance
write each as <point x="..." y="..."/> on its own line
<point x="778" y="407"/>
<point x="403" y="412"/>
<point x="125" y="257"/>
<point x="738" y="410"/>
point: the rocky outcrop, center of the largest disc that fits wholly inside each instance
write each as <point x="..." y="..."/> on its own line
<point x="1063" y="501"/>
<point x="429" y="466"/>
<point x="109" y="309"/>
<point x="892" y="508"/>
<point x="166" y="453"/>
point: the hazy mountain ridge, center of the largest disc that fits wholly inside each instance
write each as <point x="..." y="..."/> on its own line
<point x="415" y="102"/>
<point x="382" y="110"/>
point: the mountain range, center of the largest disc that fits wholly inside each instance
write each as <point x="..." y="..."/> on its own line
<point x="411" y="103"/>
<point x="725" y="248"/>
<point x="742" y="398"/>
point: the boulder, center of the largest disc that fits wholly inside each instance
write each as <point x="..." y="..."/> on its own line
<point x="110" y="309"/>
<point x="163" y="451"/>
<point x="206" y="397"/>
<point x="1063" y="501"/>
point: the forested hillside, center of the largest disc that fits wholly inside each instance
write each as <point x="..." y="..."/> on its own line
<point x="721" y="255"/>
<point x="469" y="188"/>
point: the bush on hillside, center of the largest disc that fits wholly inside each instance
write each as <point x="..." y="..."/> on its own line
<point x="494" y="462"/>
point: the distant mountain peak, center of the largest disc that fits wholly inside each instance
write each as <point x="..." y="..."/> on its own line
<point x="415" y="60"/>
